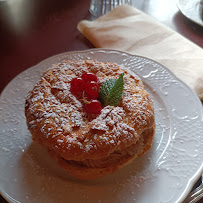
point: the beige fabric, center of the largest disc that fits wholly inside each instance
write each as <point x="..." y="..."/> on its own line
<point x="128" y="29"/>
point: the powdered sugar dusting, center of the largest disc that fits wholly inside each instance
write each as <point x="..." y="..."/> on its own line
<point x="112" y="118"/>
<point x="60" y="114"/>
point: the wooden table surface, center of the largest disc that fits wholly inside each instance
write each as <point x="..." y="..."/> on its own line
<point x="33" y="30"/>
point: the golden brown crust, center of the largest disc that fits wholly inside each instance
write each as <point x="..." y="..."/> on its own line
<point x="57" y="120"/>
<point x="85" y="172"/>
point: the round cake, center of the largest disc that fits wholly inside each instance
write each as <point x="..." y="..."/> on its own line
<point x="88" y="145"/>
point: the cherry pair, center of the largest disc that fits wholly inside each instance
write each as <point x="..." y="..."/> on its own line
<point x="88" y="83"/>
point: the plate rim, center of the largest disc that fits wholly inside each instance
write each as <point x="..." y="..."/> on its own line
<point x="104" y="49"/>
<point x="194" y="177"/>
<point x="185" y="14"/>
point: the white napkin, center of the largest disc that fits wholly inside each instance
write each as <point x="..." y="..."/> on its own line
<point x="128" y="29"/>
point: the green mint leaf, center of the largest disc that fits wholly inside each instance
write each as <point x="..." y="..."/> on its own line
<point x="111" y="91"/>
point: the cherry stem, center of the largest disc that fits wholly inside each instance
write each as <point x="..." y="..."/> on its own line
<point x="85" y="99"/>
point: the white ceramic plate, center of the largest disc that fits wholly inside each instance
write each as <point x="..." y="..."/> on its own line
<point x="192" y="9"/>
<point x="165" y="174"/>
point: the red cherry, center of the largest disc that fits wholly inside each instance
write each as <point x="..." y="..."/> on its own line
<point x="92" y="89"/>
<point x="94" y="107"/>
<point x="87" y="77"/>
<point x="77" y="85"/>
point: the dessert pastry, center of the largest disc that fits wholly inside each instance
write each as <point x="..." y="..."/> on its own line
<point x="90" y="144"/>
